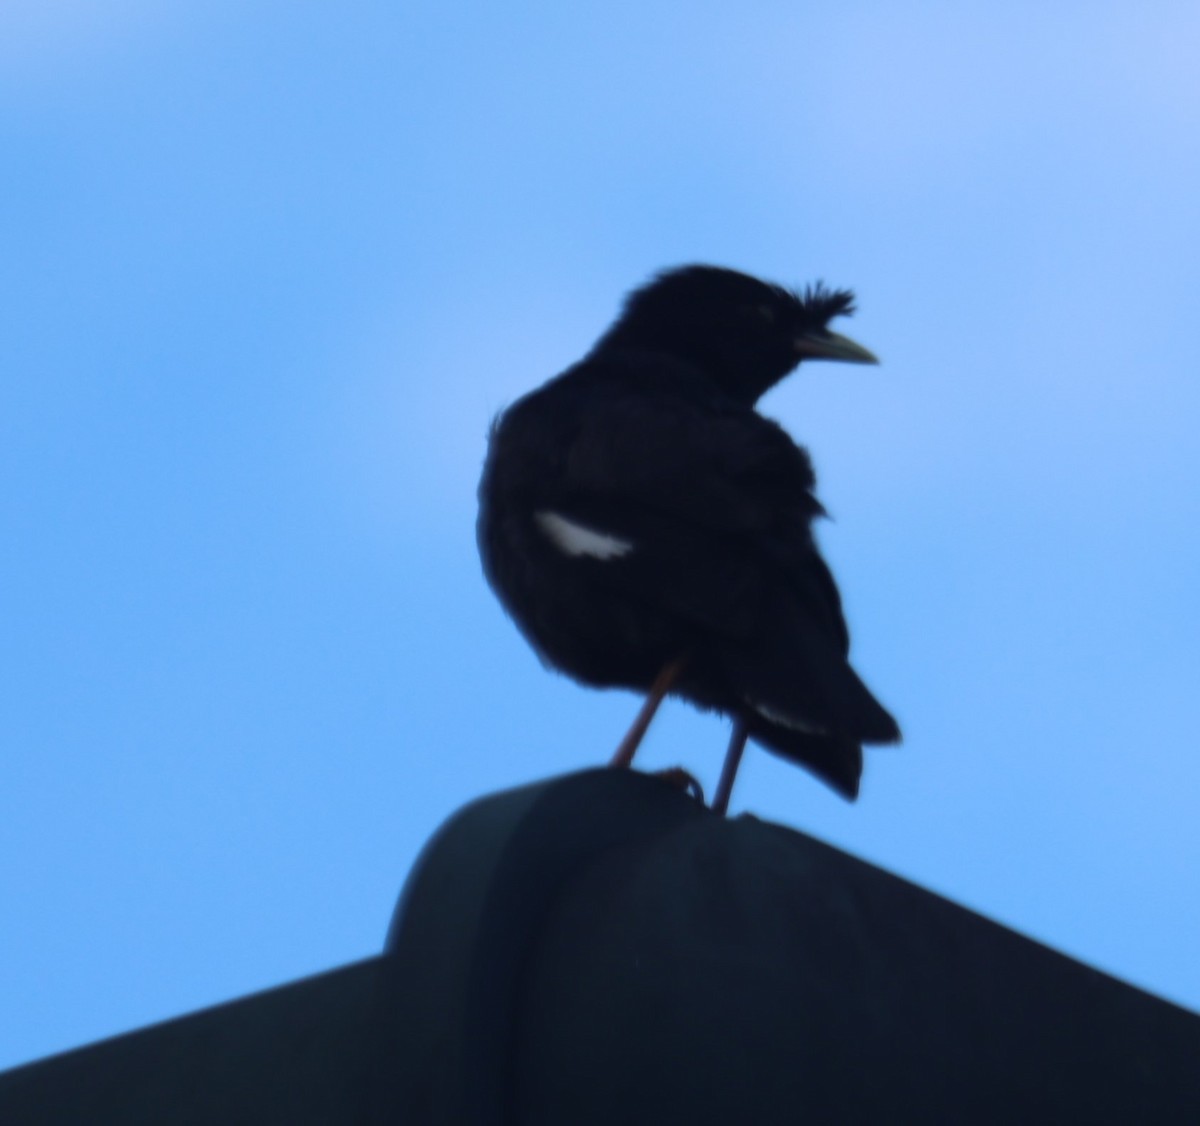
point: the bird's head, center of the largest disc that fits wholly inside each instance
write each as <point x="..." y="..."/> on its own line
<point x="744" y="333"/>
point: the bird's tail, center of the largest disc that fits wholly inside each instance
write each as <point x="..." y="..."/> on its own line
<point x="810" y="690"/>
<point x="837" y="762"/>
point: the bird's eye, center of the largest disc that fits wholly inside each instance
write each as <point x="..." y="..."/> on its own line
<point x="766" y="314"/>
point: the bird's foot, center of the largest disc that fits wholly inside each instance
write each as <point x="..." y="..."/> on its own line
<point x="683" y="780"/>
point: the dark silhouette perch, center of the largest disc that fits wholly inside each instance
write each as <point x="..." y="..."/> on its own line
<point x="600" y="948"/>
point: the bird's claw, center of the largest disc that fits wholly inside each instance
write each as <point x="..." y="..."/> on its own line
<point x="683" y="780"/>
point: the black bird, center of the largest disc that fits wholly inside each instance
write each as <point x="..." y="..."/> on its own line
<point x="646" y="528"/>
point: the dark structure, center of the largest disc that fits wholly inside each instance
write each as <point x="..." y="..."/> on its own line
<point x="602" y="949"/>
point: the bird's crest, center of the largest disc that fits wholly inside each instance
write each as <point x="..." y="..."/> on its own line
<point x="825" y="303"/>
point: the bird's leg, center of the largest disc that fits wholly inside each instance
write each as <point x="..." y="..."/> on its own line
<point x="733" y="758"/>
<point x="633" y="737"/>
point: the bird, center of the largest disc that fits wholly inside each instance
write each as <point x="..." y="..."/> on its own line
<point x="645" y="527"/>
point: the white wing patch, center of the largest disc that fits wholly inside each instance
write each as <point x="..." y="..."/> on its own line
<point x="574" y="539"/>
<point x="774" y="715"/>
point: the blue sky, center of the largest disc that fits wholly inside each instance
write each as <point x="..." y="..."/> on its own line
<point x="268" y="271"/>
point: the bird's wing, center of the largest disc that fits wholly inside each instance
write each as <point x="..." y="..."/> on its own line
<point x="712" y="509"/>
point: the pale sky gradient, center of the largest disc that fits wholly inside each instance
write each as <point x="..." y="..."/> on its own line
<point x="269" y="270"/>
